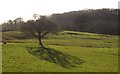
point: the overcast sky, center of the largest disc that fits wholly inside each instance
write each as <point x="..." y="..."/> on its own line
<point x="11" y="9"/>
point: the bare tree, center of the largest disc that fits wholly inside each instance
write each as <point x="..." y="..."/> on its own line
<point x="39" y="28"/>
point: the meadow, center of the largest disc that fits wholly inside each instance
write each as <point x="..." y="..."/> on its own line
<point x="68" y="51"/>
<point x="0" y="58"/>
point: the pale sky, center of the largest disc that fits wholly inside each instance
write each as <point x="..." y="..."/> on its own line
<point x="11" y="9"/>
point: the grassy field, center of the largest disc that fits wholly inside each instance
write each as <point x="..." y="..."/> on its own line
<point x="0" y="58"/>
<point x="79" y="52"/>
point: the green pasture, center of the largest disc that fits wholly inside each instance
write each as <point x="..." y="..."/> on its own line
<point x="68" y="51"/>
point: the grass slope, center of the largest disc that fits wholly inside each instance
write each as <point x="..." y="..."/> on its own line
<point x="80" y="52"/>
<point x="0" y="57"/>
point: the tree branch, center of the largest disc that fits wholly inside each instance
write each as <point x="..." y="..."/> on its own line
<point x="44" y="34"/>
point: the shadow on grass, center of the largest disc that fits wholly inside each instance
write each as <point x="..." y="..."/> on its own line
<point x="51" y="55"/>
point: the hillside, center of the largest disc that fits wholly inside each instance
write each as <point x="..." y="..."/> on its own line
<point x="101" y="21"/>
<point x="69" y="51"/>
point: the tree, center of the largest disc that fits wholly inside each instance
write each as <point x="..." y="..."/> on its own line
<point x="10" y="22"/>
<point x="39" y="28"/>
<point x="17" y="23"/>
<point x="35" y="16"/>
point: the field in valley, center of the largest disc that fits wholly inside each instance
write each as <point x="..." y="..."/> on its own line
<point x="68" y="51"/>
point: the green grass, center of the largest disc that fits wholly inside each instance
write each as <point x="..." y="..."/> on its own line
<point x="98" y="52"/>
<point x="0" y="57"/>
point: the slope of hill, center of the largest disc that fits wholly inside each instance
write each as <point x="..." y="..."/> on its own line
<point x="103" y="21"/>
<point x="69" y="51"/>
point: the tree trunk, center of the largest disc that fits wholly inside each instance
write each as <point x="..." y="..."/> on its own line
<point x="40" y="43"/>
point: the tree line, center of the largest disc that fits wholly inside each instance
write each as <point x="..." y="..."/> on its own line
<point x="104" y="21"/>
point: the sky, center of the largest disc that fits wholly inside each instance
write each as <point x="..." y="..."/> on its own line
<point x="11" y="9"/>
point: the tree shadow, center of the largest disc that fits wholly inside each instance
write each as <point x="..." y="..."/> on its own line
<point x="51" y="55"/>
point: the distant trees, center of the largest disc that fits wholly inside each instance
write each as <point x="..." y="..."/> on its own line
<point x="97" y="21"/>
<point x="103" y="21"/>
<point x="39" y="28"/>
<point x="12" y="24"/>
